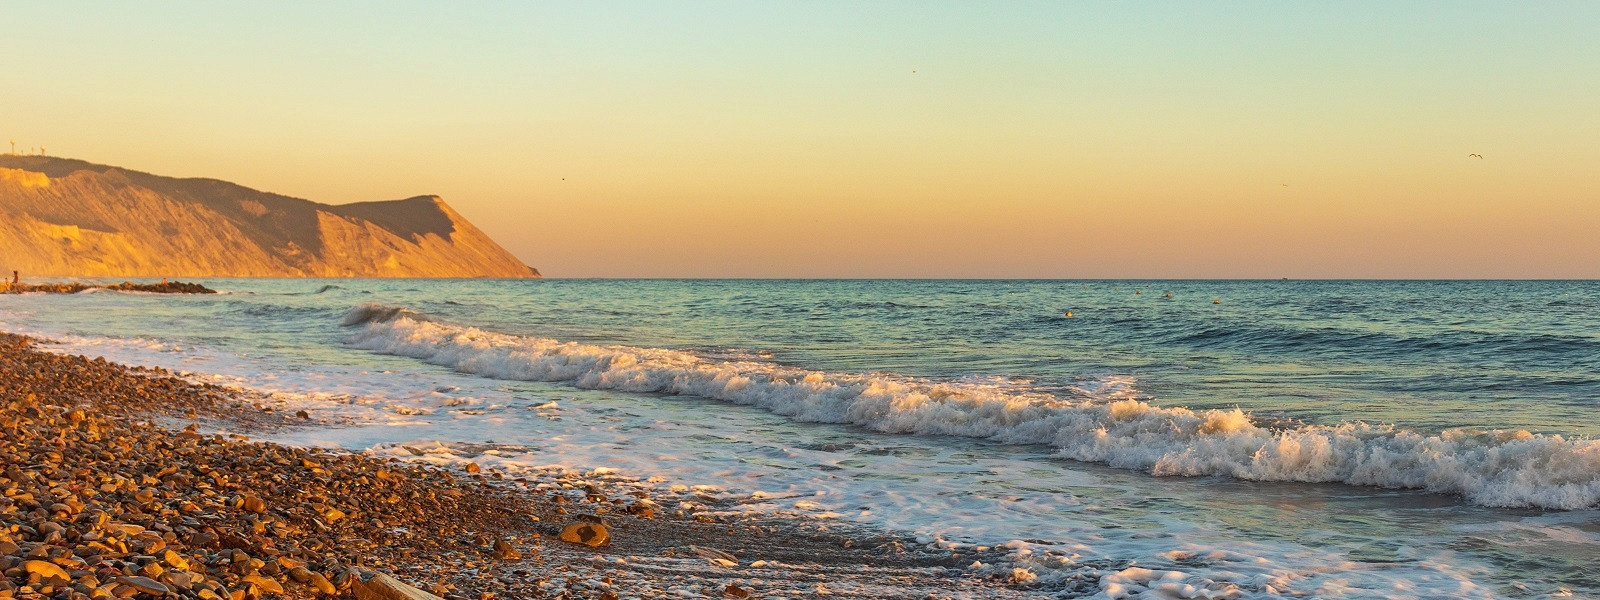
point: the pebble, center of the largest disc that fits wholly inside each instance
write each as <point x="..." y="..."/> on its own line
<point x="505" y="551"/>
<point x="263" y="584"/>
<point x="591" y="534"/>
<point x="45" y="570"/>
<point x="254" y="504"/>
<point x="144" y="584"/>
<point x="322" y="584"/>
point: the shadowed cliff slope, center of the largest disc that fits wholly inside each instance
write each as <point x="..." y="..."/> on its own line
<point x="68" y="217"/>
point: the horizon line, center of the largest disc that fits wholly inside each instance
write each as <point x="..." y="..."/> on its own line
<point x="779" y="278"/>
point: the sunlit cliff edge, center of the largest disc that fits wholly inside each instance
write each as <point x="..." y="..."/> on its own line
<point x="65" y="217"/>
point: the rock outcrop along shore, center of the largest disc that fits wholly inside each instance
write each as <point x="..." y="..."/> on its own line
<point x="64" y="217"/>
<point x="165" y="287"/>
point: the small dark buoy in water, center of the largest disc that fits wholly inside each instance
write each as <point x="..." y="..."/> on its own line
<point x="1137" y="292"/>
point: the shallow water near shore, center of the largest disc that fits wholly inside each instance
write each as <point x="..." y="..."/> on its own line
<point x="975" y="413"/>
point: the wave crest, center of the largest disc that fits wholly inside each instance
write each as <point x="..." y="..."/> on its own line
<point x="377" y="313"/>
<point x="1495" y="468"/>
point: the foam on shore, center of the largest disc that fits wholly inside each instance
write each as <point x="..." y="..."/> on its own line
<point x="1492" y="468"/>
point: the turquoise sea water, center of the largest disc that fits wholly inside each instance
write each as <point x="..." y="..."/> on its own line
<point x="1381" y="424"/>
<point x="1423" y="354"/>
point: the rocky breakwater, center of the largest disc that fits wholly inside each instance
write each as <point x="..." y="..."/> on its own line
<point x="97" y="501"/>
<point x="165" y="287"/>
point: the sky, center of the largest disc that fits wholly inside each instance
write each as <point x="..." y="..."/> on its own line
<point x="871" y="139"/>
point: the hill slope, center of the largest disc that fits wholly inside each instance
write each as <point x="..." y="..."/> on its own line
<point x="68" y="217"/>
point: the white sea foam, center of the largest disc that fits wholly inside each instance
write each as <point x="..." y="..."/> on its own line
<point x="1494" y="468"/>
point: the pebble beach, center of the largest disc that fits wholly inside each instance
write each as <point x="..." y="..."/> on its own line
<point x="130" y="482"/>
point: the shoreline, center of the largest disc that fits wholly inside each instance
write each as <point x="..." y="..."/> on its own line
<point x="1077" y="527"/>
<point x="215" y="513"/>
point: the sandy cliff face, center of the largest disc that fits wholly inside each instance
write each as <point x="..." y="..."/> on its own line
<point x="70" y="218"/>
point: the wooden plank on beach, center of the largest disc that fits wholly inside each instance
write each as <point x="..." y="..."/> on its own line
<point x="384" y="587"/>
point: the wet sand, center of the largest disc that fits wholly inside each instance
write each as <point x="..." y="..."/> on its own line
<point x="117" y="484"/>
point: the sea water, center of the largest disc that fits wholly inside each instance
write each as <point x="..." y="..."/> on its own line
<point x="1314" y="438"/>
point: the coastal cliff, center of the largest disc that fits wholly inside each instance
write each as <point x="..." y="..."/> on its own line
<point x="65" y="217"/>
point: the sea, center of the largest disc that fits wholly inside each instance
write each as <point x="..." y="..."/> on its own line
<point x="1184" y="438"/>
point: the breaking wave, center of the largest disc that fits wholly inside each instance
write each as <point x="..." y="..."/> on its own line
<point x="1493" y="468"/>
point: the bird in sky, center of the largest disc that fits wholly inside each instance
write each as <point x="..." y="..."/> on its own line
<point x="1475" y="155"/>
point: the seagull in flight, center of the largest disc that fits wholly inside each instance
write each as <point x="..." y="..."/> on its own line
<point x="1475" y="155"/>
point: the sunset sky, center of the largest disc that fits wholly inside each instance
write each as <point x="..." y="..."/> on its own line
<point x="847" y="139"/>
